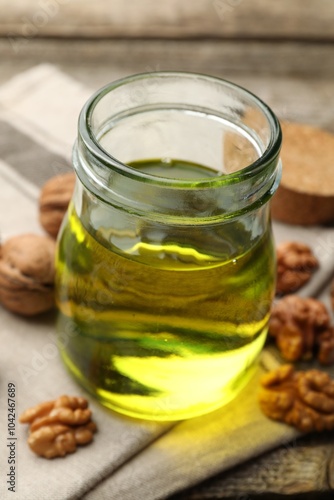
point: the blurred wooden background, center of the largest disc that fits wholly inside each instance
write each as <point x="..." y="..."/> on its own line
<point x="281" y="50"/>
<point x="234" y="19"/>
<point x="276" y="49"/>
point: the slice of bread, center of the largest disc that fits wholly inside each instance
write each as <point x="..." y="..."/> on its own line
<point x="306" y="193"/>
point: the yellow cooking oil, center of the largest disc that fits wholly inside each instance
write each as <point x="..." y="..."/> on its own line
<point x="162" y="328"/>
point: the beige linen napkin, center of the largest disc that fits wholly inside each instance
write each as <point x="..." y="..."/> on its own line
<point x="129" y="459"/>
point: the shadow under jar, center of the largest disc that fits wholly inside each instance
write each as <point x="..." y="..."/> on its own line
<point x="165" y="263"/>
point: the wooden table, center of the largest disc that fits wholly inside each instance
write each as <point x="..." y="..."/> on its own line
<point x="283" y="52"/>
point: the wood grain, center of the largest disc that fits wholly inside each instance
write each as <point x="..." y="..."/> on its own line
<point x="298" y="88"/>
<point x="302" y="467"/>
<point x="298" y="19"/>
<point x="252" y="58"/>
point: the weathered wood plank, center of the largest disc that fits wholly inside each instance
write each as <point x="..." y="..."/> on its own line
<point x="297" y="89"/>
<point x="302" y="467"/>
<point x="253" y="58"/>
<point x="310" y="19"/>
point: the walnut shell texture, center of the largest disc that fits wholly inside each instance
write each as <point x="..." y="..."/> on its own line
<point x="54" y="199"/>
<point x="332" y="294"/>
<point x="27" y="274"/>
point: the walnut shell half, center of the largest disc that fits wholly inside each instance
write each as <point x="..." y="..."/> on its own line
<point x="27" y="274"/>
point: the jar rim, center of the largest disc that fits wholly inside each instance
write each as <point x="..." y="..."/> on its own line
<point x="92" y="144"/>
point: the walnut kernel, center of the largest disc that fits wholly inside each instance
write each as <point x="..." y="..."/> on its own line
<point x="295" y="266"/>
<point x="301" y="328"/>
<point x="58" y="426"/>
<point x="302" y="399"/>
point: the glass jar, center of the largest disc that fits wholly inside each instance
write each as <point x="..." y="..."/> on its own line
<point x="165" y="264"/>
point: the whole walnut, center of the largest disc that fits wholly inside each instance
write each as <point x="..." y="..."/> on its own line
<point x="332" y="294"/>
<point x="54" y="199"/>
<point x="27" y="274"/>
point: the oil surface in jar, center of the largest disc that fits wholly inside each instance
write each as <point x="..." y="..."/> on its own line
<point x="162" y="331"/>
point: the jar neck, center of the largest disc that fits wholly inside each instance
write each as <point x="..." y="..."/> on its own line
<point x="208" y="201"/>
<point x="225" y="195"/>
